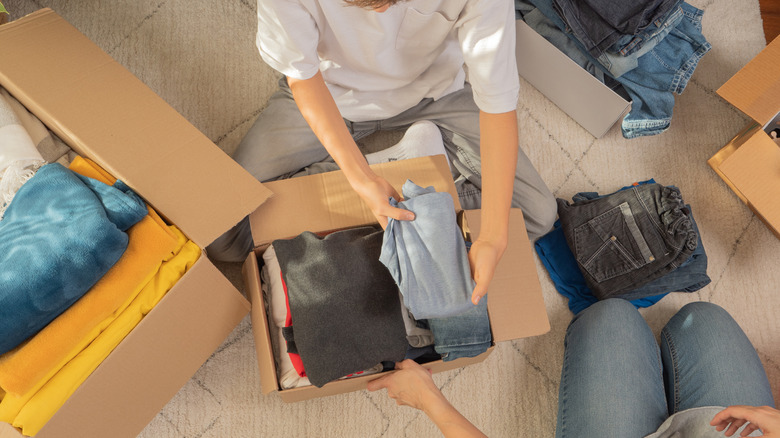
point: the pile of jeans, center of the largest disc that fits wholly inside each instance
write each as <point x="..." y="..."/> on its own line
<point x="638" y="243"/>
<point x="646" y="50"/>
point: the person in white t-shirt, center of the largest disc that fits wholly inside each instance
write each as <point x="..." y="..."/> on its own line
<point x="353" y="67"/>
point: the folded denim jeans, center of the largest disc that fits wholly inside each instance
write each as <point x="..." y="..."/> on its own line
<point x="630" y="238"/>
<point x="689" y="277"/>
<point x="464" y="335"/>
<point x="427" y="256"/>
<point x="599" y="24"/>
<point x="659" y="74"/>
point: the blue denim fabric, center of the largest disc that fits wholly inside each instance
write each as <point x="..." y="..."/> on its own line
<point x="464" y="335"/>
<point x="620" y="59"/>
<point x="599" y="24"/>
<point x="629" y="238"/>
<point x="617" y="382"/>
<point x="624" y="56"/>
<point x="427" y="256"/>
<point x="689" y="277"/>
<point x="565" y="274"/>
<point x="659" y="74"/>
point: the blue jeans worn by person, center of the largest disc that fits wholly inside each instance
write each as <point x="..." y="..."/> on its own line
<point x="659" y="74"/>
<point x="599" y="24"/>
<point x="464" y="335"/>
<point x="616" y="382"/>
<point x="629" y="238"/>
<point x="427" y="256"/>
<point x="281" y="145"/>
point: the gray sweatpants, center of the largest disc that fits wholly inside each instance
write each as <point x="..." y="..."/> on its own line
<point x="282" y="145"/>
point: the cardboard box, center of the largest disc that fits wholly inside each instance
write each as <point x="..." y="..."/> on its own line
<point x="575" y="91"/>
<point x="750" y="163"/>
<point x="326" y="202"/>
<point x="106" y="114"/>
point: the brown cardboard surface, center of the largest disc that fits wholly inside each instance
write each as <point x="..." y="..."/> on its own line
<point x="155" y="360"/>
<point x="359" y="383"/>
<point x="515" y="304"/>
<point x="754" y="169"/>
<point x="575" y="91"/>
<point x="327" y="202"/>
<point x="726" y="151"/>
<point x="105" y="113"/>
<point x="755" y="89"/>
<point x="8" y="431"/>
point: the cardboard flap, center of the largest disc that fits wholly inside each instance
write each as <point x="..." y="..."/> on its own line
<point x="164" y="350"/>
<point x="575" y="91"/>
<point x="326" y="201"/>
<point x="105" y="113"/>
<point x="515" y="303"/>
<point x="755" y="89"/>
<point x="754" y="169"/>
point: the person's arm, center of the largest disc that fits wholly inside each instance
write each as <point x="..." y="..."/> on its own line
<point x="321" y="113"/>
<point x="412" y="385"/>
<point x="498" y="150"/>
<point x="762" y="417"/>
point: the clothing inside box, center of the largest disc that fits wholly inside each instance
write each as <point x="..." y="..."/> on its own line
<point x="57" y="205"/>
<point x="418" y="342"/>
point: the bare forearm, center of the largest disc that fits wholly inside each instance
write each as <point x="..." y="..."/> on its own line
<point x="498" y="147"/>
<point x="321" y="113"/>
<point x="451" y="422"/>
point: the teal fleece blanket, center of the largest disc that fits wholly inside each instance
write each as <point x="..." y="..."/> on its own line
<point x="61" y="233"/>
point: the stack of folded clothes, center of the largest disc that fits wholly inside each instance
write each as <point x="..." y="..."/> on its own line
<point x="82" y="260"/>
<point x="644" y="50"/>
<point x="638" y="243"/>
<point x="337" y="311"/>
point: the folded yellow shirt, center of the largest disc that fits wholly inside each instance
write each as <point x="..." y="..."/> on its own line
<point x="32" y="363"/>
<point x="44" y="403"/>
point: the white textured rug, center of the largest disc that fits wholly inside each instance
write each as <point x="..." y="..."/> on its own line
<point x="200" y="57"/>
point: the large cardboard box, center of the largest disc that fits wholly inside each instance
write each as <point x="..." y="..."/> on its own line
<point x="326" y="202"/>
<point x="750" y="163"/>
<point x="106" y="114"/>
<point x="575" y="91"/>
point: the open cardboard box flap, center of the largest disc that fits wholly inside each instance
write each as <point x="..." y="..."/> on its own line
<point x="326" y="202"/>
<point x="755" y="89"/>
<point x="105" y="113"/>
<point x="750" y="163"/>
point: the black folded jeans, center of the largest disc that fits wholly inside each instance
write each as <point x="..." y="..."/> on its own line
<point x="627" y="239"/>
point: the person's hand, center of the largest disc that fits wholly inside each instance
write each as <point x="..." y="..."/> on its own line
<point x="733" y="417"/>
<point x="376" y="192"/>
<point x="411" y="385"/>
<point x="483" y="259"/>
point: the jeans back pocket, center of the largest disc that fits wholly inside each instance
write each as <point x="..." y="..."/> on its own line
<point x="611" y="244"/>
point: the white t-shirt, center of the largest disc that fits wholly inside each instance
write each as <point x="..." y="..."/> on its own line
<point x="377" y="65"/>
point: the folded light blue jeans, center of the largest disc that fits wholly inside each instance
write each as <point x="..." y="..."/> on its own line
<point x="427" y="256"/>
